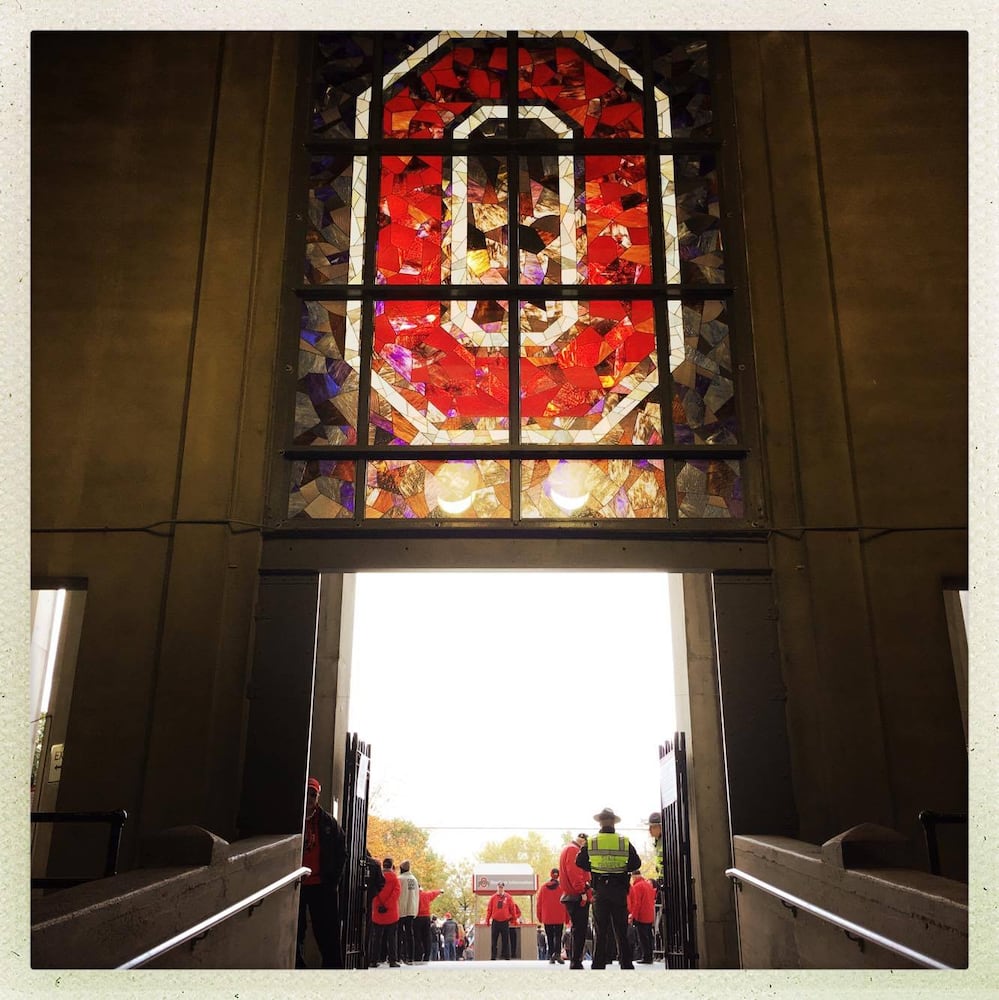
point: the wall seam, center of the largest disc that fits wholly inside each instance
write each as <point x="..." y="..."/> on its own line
<point x="178" y="476"/>
<point x="848" y="430"/>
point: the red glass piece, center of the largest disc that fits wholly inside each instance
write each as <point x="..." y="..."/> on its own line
<point x="639" y="346"/>
<point x="603" y="249"/>
<point x="583" y="350"/>
<point x="595" y="82"/>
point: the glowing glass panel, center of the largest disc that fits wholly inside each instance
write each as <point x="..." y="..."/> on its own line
<point x="710" y="487"/>
<point x="427" y="101"/>
<point x="476" y="234"/>
<point x="328" y="367"/>
<point x="322" y="489"/>
<point x="702" y="258"/>
<point x="617" y="221"/>
<point x="701" y="367"/>
<point x="439" y="373"/>
<point x="588" y="489"/>
<point x="603" y="103"/>
<point x="411" y="212"/>
<point x="334" y="242"/>
<point x="588" y="373"/>
<point x="343" y="71"/>
<point x="670" y="224"/>
<point x="683" y="73"/>
<point x="431" y="489"/>
<point x="550" y="223"/>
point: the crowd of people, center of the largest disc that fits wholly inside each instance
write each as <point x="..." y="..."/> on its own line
<point x="596" y="905"/>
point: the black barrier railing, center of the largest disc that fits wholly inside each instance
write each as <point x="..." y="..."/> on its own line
<point x="356" y="779"/>
<point x="201" y="928"/>
<point x="930" y="819"/>
<point x="677" y="894"/>
<point x="115" y="818"/>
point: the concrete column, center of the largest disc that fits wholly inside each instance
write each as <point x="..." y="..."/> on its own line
<point x="197" y="711"/>
<point x="279" y="723"/>
<point x="753" y="703"/>
<point x="327" y="751"/>
<point x="698" y="713"/>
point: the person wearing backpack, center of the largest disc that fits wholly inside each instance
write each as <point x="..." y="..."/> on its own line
<point x="498" y="915"/>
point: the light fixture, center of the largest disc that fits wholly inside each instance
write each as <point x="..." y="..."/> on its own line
<point x="457" y="484"/>
<point x="566" y="485"/>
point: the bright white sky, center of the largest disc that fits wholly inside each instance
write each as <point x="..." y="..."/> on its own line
<point x="498" y="703"/>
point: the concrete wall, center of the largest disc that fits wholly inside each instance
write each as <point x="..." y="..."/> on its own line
<point x="852" y="150"/>
<point x="160" y="177"/>
<point x="107" y="923"/>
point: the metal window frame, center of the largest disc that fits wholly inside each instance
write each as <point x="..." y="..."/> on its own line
<point x="660" y="293"/>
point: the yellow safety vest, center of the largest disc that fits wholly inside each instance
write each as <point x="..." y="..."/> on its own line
<point x="608" y="854"/>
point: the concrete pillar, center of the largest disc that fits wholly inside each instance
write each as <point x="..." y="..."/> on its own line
<point x="698" y="714"/>
<point x="753" y="703"/>
<point x="279" y="723"/>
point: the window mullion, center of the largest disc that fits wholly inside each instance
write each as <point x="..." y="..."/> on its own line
<point x="513" y="251"/>
<point x="373" y="193"/>
<point x="657" y="248"/>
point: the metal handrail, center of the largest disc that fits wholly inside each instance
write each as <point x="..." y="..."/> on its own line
<point x="737" y="875"/>
<point x="209" y="922"/>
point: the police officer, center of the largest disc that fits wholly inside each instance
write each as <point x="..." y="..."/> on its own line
<point x="610" y="859"/>
<point x="656" y="833"/>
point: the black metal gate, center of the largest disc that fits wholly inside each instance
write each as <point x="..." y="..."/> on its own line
<point x="679" y="942"/>
<point x="353" y="908"/>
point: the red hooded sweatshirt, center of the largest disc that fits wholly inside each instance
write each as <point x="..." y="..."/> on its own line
<point x="550" y="910"/>
<point x="388" y="896"/>
<point x="427" y="896"/>
<point x="642" y="901"/>
<point x="572" y="877"/>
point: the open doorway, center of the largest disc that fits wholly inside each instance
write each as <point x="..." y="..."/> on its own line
<point x="304" y="636"/>
<point x="56" y="622"/>
<point x="503" y="703"/>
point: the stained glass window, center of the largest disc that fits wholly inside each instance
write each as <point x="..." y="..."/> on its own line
<point x="514" y="302"/>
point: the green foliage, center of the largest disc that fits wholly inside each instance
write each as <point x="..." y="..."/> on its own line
<point x="457" y="899"/>
<point x="533" y="850"/>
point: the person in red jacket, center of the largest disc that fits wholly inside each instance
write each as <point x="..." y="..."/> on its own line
<point x="421" y="926"/>
<point x="551" y="913"/>
<point x="499" y="912"/>
<point x="576" y="895"/>
<point x="642" y="913"/>
<point x="513" y="930"/>
<point x="385" y="917"/>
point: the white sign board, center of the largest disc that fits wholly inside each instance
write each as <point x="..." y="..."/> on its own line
<point x="667" y="779"/>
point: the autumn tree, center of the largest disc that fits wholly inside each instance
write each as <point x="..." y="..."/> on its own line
<point x="457" y="898"/>
<point x="401" y="840"/>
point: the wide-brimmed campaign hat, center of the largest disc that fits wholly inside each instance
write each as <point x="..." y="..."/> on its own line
<point x="607" y="815"/>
